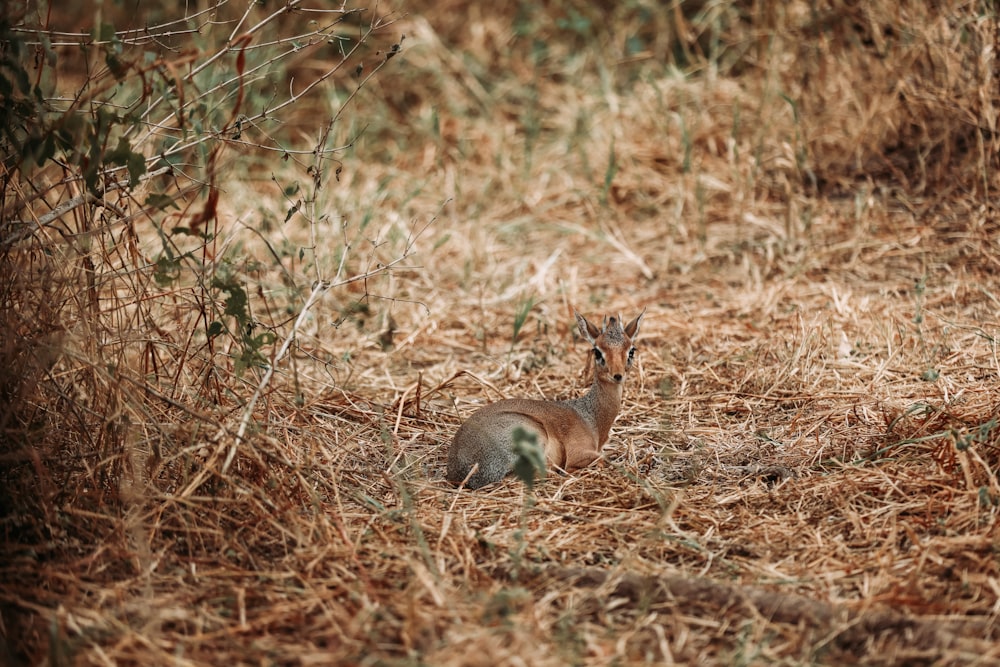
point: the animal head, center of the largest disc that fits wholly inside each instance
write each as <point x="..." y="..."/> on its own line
<point x="612" y="343"/>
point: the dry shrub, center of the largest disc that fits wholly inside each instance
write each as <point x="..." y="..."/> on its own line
<point x="899" y="91"/>
<point x="824" y="95"/>
<point x="138" y="330"/>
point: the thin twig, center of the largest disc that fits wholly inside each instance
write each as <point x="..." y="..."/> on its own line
<point x="318" y="290"/>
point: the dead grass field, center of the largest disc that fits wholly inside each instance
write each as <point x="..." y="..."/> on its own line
<point x="805" y="470"/>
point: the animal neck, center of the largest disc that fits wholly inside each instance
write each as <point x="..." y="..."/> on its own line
<point x="600" y="406"/>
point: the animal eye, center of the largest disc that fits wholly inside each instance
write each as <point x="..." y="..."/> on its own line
<point x="631" y="355"/>
<point x="598" y="357"/>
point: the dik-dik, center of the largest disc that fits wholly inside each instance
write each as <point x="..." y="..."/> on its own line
<point x="572" y="431"/>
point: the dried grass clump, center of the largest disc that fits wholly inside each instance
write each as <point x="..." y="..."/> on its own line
<point x="925" y="113"/>
<point x="805" y="470"/>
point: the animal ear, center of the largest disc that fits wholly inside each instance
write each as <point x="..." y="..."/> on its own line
<point x="587" y="330"/>
<point x="632" y="328"/>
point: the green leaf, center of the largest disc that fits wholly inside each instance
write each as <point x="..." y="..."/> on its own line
<point x="441" y="241"/>
<point x="105" y="33"/>
<point x="521" y="315"/>
<point x="117" y="66"/>
<point x="136" y="165"/>
<point x="39" y="149"/>
<point x="530" y="457"/>
<point x="266" y="338"/>
<point x="161" y="201"/>
<point x="216" y="329"/>
<point x="236" y="304"/>
<point x="123" y="156"/>
<point x="166" y="270"/>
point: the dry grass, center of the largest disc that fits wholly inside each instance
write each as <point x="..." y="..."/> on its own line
<point x="805" y="470"/>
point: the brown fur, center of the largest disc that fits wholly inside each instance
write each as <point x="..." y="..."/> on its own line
<point x="572" y="432"/>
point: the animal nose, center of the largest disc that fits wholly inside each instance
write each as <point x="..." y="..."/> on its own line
<point x="618" y="377"/>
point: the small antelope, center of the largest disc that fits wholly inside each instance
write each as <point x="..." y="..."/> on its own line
<point x="572" y="431"/>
